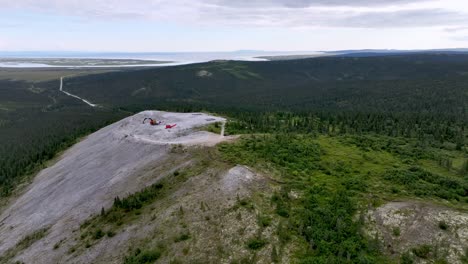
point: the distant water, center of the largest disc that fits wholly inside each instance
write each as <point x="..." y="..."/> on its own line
<point x="176" y="58"/>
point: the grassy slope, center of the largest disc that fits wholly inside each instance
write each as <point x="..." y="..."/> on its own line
<point x="344" y="169"/>
<point x="326" y="180"/>
<point x="188" y="216"/>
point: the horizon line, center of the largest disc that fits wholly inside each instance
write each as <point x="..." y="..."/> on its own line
<point x="221" y="51"/>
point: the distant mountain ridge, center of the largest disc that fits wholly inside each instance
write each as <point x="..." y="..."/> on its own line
<point x="382" y="52"/>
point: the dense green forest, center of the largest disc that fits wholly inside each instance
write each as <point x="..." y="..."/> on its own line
<point x="422" y="84"/>
<point x="421" y="96"/>
<point x="393" y="125"/>
<point x="36" y="122"/>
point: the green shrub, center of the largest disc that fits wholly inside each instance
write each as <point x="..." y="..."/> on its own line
<point x="274" y="255"/>
<point x="281" y="200"/>
<point x="464" y="258"/>
<point x="185" y="250"/>
<point x="56" y="245"/>
<point x="281" y="211"/>
<point x="182" y="237"/>
<point x="135" y="201"/>
<point x="356" y="183"/>
<point x="297" y="154"/>
<point x="424" y="183"/>
<point x="283" y="233"/>
<point x="422" y="251"/>
<point x="98" y="234"/>
<point x="330" y="230"/>
<point x="110" y="233"/>
<point x="443" y="225"/>
<point x="143" y="257"/>
<point x="395" y="189"/>
<point x="406" y="258"/>
<point x="441" y="261"/>
<point x="264" y="221"/>
<point x="32" y="238"/>
<point x="256" y="243"/>
<point x="323" y="215"/>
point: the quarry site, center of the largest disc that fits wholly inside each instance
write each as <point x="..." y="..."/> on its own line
<point x="206" y="214"/>
<point x="119" y="159"/>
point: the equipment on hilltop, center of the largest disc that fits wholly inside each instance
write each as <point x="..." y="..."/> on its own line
<point x="152" y="121"/>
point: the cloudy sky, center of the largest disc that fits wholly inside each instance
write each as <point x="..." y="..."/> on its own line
<point x="224" y="25"/>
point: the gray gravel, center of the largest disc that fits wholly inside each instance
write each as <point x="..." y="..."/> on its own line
<point x="90" y="174"/>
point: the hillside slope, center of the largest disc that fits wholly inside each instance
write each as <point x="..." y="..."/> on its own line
<point x="87" y="177"/>
<point x="135" y="193"/>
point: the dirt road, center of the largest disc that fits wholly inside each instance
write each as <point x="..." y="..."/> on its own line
<point x="222" y="128"/>
<point x="75" y="96"/>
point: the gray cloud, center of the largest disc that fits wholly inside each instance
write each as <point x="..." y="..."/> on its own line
<point x="455" y="29"/>
<point x="460" y="38"/>
<point x="309" y="3"/>
<point x="261" y="13"/>
<point x="405" y="18"/>
<point x="336" y="18"/>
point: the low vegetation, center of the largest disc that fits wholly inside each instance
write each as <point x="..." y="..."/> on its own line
<point x="326" y="182"/>
<point x="142" y="257"/>
<point x="127" y="210"/>
<point x="213" y="128"/>
<point x="422" y="251"/>
<point x="256" y="243"/>
<point x="23" y="244"/>
<point x="443" y="225"/>
<point x="423" y="183"/>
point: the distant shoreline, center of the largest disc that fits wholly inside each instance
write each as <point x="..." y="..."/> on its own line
<point x="292" y="57"/>
<point x="77" y="63"/>
<point x="121" y="60"/>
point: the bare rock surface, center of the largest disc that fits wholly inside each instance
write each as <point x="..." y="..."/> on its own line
<point x="90" y="174"/>
<point x="405" y="225"/>
<point x="205" y="207"/>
